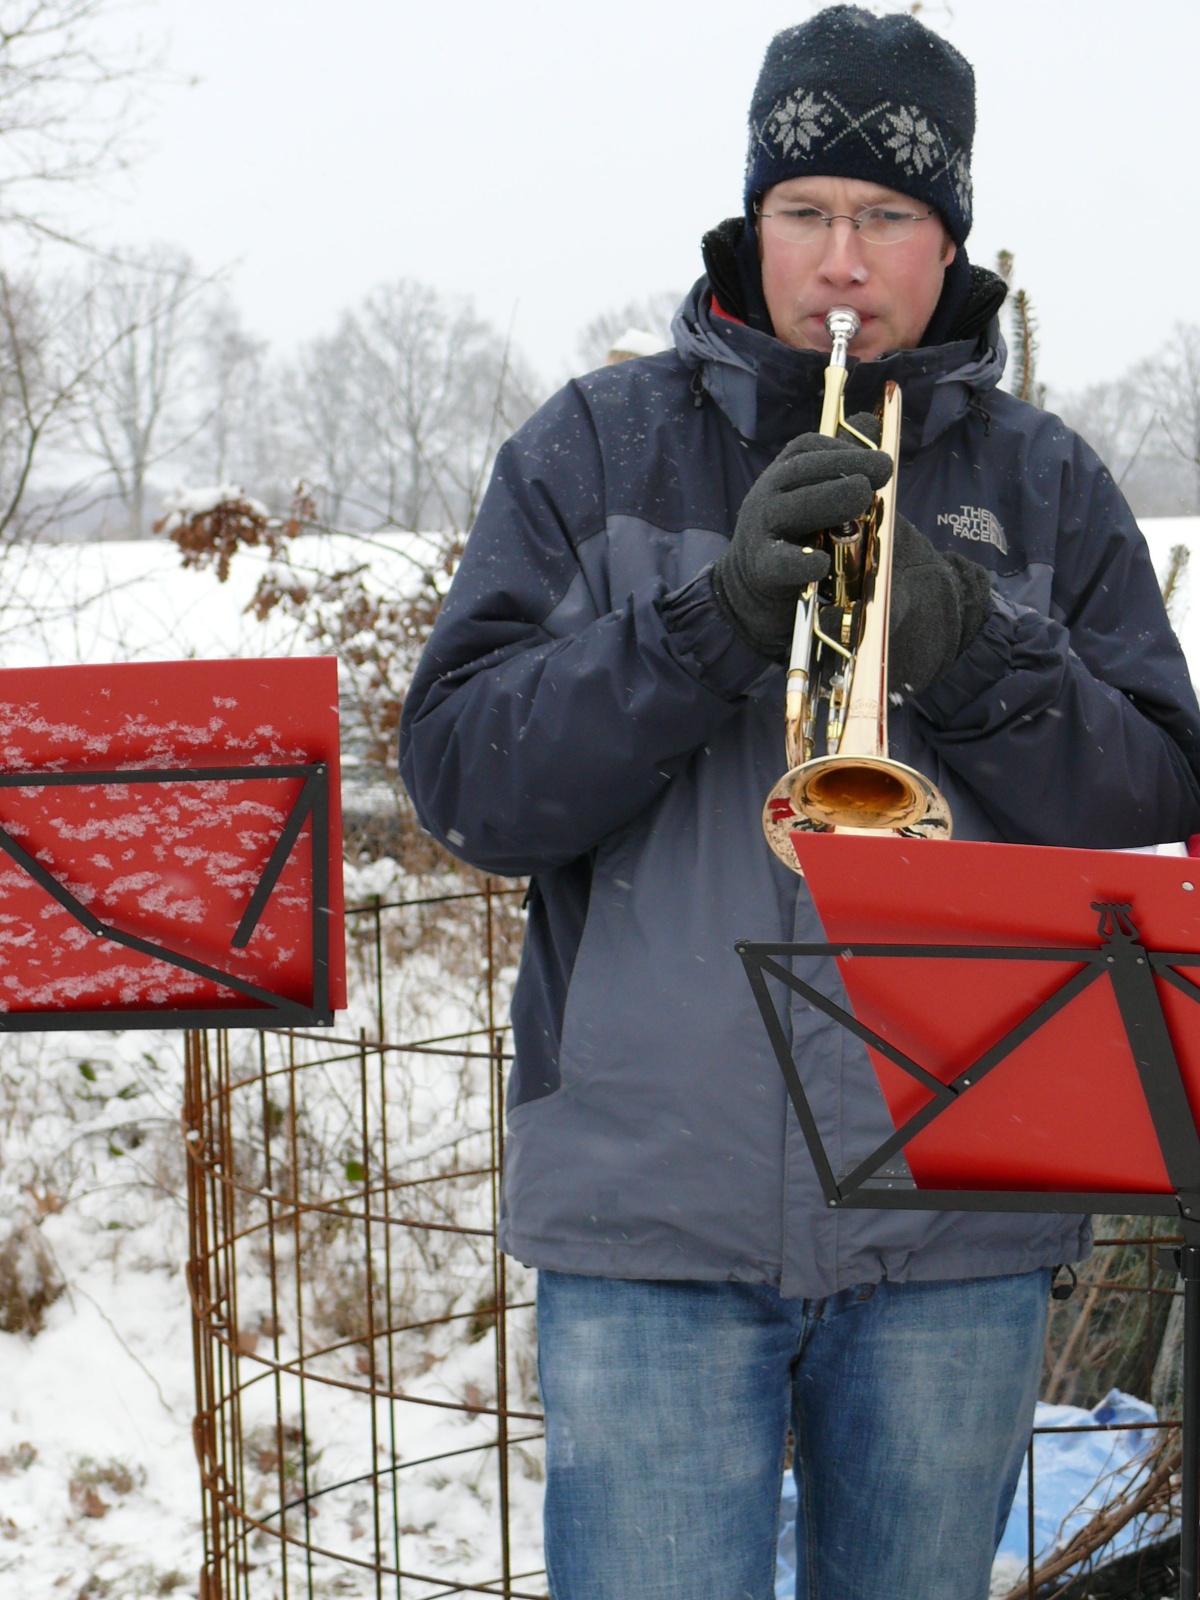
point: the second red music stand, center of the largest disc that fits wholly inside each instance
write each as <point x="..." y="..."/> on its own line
<point x="1032" y="1016"/>
<point x="170" y="845"/>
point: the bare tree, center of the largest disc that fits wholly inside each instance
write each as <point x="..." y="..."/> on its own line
<point x="1169" y="384"/>
<point x="40" y="382"/>
<point x="1110" y="416"/>
<point x="1146" y="426"/>
<point x="323" y="411"/>
<point x="136" y="338"/>
<point x="236" y="439"/>
<point x="30" y="400"/>
<point x="398" y="414"/>
<point x="65" y="101"/>
<point x="652" y="313"/>
<point x="440" y="393"/>
<point x="65" y="104"/>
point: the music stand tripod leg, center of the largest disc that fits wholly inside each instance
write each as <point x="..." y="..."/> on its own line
<point x="1189" y="1489"/>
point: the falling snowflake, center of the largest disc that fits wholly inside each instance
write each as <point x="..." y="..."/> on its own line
<point x="797" y="122"/>
<point x="915" y="143"/>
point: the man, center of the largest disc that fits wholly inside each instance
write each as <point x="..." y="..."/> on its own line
<point x="601" y="707"/>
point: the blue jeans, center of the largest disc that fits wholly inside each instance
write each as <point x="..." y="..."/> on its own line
<point x="667" y="1408"/>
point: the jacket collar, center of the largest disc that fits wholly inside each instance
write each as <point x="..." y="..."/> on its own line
<point x="771" y="393"/>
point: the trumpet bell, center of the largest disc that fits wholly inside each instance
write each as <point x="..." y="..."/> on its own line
<point x="858" y="794"/>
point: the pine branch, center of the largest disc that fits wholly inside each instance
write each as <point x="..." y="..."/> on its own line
<point x="1024" y="323"/>
<point x="1172" y="583"/>
<point x="1024" y="333"/>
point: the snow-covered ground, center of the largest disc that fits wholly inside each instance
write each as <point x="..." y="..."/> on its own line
<point x="98" y="1485"/>
<point x="99" y="1493"/>
<point x="133" y="601"/>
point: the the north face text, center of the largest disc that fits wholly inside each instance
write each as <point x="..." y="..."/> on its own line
<point x="976" y="523"/>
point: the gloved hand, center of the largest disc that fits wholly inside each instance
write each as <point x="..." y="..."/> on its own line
<point x="939" y="602"/>
<point x="814" y="483"/>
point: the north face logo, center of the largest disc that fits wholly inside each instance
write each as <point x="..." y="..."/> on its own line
<point x="976" y="523"/>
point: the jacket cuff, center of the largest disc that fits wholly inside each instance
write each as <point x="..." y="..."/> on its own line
<point x="701" y="637"/>
<point x="1014" y="644"/>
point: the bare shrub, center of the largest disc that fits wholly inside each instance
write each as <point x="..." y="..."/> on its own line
<point x="30" y="1281"/>
<point x="1152" y="1495"/>
<point x="210" y="527"/>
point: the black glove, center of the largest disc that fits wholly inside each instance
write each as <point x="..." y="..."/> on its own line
<point x="939" y="604"/>
<point x="814" y="483"/>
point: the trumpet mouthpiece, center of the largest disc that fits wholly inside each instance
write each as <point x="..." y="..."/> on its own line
<point x="842" y="323"/>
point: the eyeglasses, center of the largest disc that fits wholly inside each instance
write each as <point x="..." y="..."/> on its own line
<point x="800" y="223"/>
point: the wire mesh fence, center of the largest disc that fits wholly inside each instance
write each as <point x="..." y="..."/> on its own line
<point x="364" y="1353"/>
<point x="367" y="1414"/>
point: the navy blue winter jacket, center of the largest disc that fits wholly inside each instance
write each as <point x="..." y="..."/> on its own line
<point x="584" y="714"/>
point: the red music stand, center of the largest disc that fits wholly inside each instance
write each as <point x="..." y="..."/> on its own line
<point x="170" y="846"/>
<point x="1031" y="1018"/>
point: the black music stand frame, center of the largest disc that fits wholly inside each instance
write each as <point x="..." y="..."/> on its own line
<point x="269" y="1010"/>
<point x="1124" y="961"/>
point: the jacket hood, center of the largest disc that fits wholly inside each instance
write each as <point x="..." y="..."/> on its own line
<point x="771" y="393"/>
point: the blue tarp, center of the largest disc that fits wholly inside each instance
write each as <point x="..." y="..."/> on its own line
<point x="1074" y="1474"/>
<point x="785" y="1565"/>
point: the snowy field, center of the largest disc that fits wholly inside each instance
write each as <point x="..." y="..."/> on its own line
<point x="133" y="601"/>
<point x="98" y="1486"/>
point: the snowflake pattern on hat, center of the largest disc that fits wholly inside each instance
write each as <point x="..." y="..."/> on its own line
<point x="915" y="143"/>
<point x="797" y="122"/>
<point x="960" y="177"/>
<point x="802" y="124"/>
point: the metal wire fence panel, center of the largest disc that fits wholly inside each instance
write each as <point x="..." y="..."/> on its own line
<point x="367" y="1422"/>
<point x="367" y="1417"/>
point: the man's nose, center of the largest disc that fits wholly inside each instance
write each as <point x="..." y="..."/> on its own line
<point x="842" y="260"/>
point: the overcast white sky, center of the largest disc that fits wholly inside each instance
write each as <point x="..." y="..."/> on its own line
<point x="553" y="159"/>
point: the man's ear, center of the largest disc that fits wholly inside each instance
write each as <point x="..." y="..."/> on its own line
<point x="949" y="250"/>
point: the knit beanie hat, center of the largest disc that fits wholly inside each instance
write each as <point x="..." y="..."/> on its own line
<point x="851" y="95"/>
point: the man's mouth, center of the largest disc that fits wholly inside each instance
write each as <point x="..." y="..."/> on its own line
<point x="816" y="321"/>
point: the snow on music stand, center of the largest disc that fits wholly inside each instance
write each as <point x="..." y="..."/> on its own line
<point x="1032" y="1016"/>
<point x="170" y="846"/>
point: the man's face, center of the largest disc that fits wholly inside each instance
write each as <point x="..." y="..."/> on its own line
<point x="894" y="286"/>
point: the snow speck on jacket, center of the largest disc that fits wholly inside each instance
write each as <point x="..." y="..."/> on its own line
<point x="584" y="714"/>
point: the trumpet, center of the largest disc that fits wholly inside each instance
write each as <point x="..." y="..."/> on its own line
<point x="837" y="680"/>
